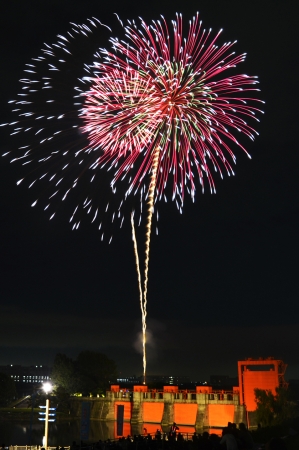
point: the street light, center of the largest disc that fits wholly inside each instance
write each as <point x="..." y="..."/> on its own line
<point x="47" y="387"/>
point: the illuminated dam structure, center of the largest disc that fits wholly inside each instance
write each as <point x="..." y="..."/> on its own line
<point x="201" y="408"/>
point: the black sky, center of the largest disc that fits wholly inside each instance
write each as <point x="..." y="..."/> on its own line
<point x="223" y="275"/>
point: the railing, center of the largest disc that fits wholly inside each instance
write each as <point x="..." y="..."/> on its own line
<point x="166" y="436"/>
<point x="121" y="395"/>
<point x="161" y="437"/>
<point x="32" y="447"/>
<point x="154" y="394"/>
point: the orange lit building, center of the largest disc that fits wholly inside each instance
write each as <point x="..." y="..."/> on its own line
<point x="201" y="408"/>
<point x="259" y="373"/>
<point x="197" y="409"/>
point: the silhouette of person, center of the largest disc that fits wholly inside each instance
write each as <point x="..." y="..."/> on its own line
<point x="173" y="430"/>
<point x="229" y="439"/>
<point x="245" y="437"/>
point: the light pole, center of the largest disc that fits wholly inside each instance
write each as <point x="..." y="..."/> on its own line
<point x="47" y="387"/>
<point x="33" y="395"/>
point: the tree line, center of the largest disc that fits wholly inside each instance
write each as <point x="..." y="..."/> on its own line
<point x="275" y="408"/>
<point x="90" y="373"/>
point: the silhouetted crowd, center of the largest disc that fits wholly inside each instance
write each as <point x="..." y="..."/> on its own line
<point x="233" y="438"/>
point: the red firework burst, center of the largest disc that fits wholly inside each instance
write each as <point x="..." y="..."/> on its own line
<point x="155" y="93"/>
<point x="157" y="103"/>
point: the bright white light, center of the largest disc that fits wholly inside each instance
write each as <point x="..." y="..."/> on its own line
<point x="47" y="387"/>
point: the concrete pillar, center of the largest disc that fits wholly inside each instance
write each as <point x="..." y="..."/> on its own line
<point x="137" y="407"/>
<point x="202" y="417"/>
<point x="168" y="412"/>
<point x="137" y="428"/>
<point x="240" y="414"/>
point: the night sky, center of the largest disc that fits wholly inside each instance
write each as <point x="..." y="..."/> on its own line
<point x="223" y="276"/>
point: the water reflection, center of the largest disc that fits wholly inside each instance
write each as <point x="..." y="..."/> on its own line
<point x="60" y="433"/>
<point x="64" y="433"/>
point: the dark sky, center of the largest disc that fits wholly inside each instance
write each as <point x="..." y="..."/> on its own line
<point x="223" y="279"/>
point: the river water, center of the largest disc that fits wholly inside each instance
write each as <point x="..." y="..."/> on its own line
<point x="63" y="433"/>
<point x="60" y="433"/>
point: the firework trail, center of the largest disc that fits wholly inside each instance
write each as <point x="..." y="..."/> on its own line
<point x="155" y="110"/>
<point x="142" y="306"/>
<point x="143" y="295"/>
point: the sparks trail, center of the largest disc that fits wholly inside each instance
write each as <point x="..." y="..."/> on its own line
<point x="142" y="306"/>
<point x="157" y="113"/>
<point x="151" y="198"/>
<point x="143" y="295"/>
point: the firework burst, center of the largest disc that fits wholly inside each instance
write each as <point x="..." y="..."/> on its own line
<point x="159" y="109"/>
<point x="157" y="94"/>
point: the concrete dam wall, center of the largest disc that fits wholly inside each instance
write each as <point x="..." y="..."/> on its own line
<point x="201" y="409"/>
